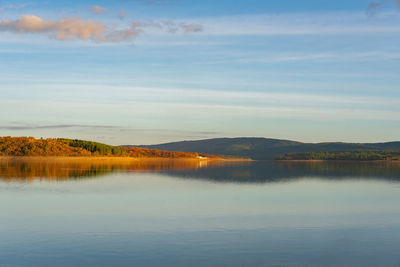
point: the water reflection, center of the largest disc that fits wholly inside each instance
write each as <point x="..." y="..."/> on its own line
<point x="281" y="171"/>
<point x="30" y="169"/>
<point x="168" y="214"/>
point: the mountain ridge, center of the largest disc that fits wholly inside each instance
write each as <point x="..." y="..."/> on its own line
<point x="259" y="148"/>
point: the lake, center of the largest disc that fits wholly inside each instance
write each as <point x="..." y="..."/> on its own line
<point x="199" y="213"/>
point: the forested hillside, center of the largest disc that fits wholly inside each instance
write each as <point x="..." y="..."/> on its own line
<point x="350" y="155"/>
<point x="268" y="149"/>
<point x="29" y="146"/>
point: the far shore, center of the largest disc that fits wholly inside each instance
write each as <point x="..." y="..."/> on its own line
<point x="334" y="160"/>
<point x="113" y="158"/>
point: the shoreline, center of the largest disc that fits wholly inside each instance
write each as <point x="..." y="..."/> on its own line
<point x="334" y="160"/>
<point x="113" y="158"/>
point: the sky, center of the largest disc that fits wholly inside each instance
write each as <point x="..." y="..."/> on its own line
<point x="155" y="71"/>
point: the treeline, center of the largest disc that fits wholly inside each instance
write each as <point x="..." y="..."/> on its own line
<point x="138" y="152"/>
<point x="348" y="155"/>
<point x="29" y="146"/>
<point x="96" y="149"/>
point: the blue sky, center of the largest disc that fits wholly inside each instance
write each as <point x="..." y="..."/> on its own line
<point x="147" y="71"/>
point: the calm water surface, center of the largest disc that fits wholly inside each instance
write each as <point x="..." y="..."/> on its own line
<point x="176" y="213"/>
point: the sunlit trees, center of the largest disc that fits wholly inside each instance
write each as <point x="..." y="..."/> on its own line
<point x="29" y="146"/>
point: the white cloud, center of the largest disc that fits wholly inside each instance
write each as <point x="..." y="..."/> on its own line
<point x="64" y="29"/>
<point x="345" y="23"/>
<point x="76" y="28"/>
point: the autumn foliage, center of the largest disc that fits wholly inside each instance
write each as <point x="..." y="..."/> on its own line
<point x="64" y="168"/>
<point x="139" y="152"/>
<point x="29" y="146"/>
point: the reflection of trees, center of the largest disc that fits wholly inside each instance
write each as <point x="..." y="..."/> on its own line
<point x="272" y="171"/>
<point x="28" y="169"/>
<point x="345" y="169"/>
<point x="362" y="155"/>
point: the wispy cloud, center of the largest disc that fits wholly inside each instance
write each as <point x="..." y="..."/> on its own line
<point x="64" y="29"/>
<point x="76" y="28"/>
<point x="300" y="24"/>
<point x="162" y="108"/>
<point x="374" y="7"/>
<point x="169" y="26"/>
<point x="98" y="10"/>
<point x="59" y="126"/>
<point x="342" y="23"/>
<point x="122" y="14"/>
<point x="192" y="28"/>
<point x="117" y="135"/>
<point x="324" y="56"/>
<point x="20" y="6"/>
<point x="157" y="2"/>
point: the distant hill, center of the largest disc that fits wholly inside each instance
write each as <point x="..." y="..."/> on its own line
<point x="29" y="146"/>
<point x="359" y="155"/>
<point x="266" y="149"/>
